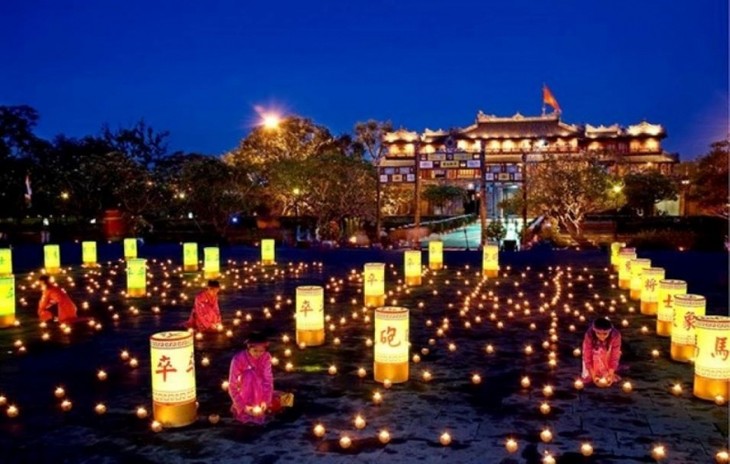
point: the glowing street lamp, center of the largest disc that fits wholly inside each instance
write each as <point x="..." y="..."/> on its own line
<point x="271" y="121"/>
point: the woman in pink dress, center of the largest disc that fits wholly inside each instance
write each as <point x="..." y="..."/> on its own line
<point x="601" y="353"/>
<point x="206" y="313"/>
<point x="251" y="382"/>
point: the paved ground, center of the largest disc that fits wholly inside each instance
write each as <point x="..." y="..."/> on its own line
<point x="622" y="427"/>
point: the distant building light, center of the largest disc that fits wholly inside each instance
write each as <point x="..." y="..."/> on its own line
<point x="190" y="215"/>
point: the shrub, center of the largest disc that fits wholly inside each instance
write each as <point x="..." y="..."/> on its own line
<point x="663" y="240"/>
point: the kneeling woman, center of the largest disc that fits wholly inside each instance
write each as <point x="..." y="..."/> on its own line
<point x="601" y="353"/>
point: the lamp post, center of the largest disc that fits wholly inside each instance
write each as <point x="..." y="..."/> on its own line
<point x="524" y="198"/>
<point x="296" y="192"/>
<point x="685" y="189"/>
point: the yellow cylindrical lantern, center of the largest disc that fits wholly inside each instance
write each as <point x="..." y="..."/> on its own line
<point x="88" y="254"/>
<point x="615" y="248"/>
<point x="268" y="251"/>
<point x="686" y="309"/>
<point x="650" y="278"/>
<point x="172" y="363"/>
<point x="412" y="263"/>
<point x="7" y="301"/>
<point x="391" y="344"/>
<point x="136" y="277"/>
<point x="624" y="268"/>
<point x="52" y="258"/>
<point x="490" y="260"/>
<point x="435" y="255"/>
<point x="6" y="261"/>
<point x="668" y="290"/>
<point x="190" y="257"/>
<point x="637" y="268"/>
<point x="211" y="262"/>
<point x="374" y="283"/>
<point x="130" y="248"/>
<point x="712" y="364"/>
<point x="310" y="315"/>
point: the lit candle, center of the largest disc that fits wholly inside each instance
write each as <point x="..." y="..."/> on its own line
<point x="319" y="431"/>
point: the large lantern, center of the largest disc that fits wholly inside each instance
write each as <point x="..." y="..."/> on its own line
<point x="650" y="278"/>
<point x="412" y="263"/>
<point x="637" y="267"/>
<point x="490" y="260"/>
<point x="615" y="248"/>
<point x="686" y="309"/>
<point x="211" y="262"/>
<point x="172" y="363"/>
<point x="435" y="255"/>
<point x="624" y="268"/>
<point x="6" y="261"/>
<point x="712" y="364"/>
<point x="130" y="248"/>
<point x="7" y="301"/>
<point x="391" y="344"/>
<point x="310" y="315"/>
<point x="668" y="290"/>
<point x="136" y="277"/>
<point x="190" y="257"/>
<point x="374" y="284"/>
<point x="52" y="258"/>
<point x="88" y="254"/>
<point x="267" y="252"/>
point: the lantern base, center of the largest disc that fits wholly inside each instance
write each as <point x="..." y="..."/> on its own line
<point x="310" y="337"/>
<point x="190" y="268"/>
<point x="7" y="321"/>
<point x="649" y="308"/>
<point x="490" y="273"/>
<point x="682" y="353"/>
<point x="624" y="284"/>
<point x="413" y="280"/>
<point x="211" y="275"/>
<point x="664" y="328"/>
<point x="90" y="264"/>
<point x="435" y="266"/>
<point x="127" y="258"/>
<point x="136" y="292"/>
<point x="53" y="270"/>
<point x="175" y="415"/>
<point x="373" y="301"/>
<point x="267" y="262"/>
<point x="709" y="389"/>
<point x="395" y="372"/>
<point x="635" y="294"/>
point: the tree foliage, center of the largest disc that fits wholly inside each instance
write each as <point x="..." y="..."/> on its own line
<point x="439" y="195"/>
<point x="645" y="189"/>
<point x="710" y="182"/>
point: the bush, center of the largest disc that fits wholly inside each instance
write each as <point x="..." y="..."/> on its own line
<point x="664" y="240"/>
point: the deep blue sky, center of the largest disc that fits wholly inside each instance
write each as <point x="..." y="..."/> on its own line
<point x="200" y="68"/>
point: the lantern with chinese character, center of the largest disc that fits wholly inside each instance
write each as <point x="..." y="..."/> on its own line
<point x="172" y="364"/>
<point x="310" y="315"/>
<point x="391" y="344"/>
<point x="712" y="364"/>
<point x="211" y="262"/>
<point x="190" y="257"/>
<point x="615" y="248"/>
<point x="7" y="301"/>
<point x="130" y="248"/>
<point x="490" y="260"/>
<point x="650" y="289"/>
<point x="686" y="309"/>
<point x="374" y="283"/>
<point x="637" y="267"/>
<point x="136" y="277"/>
<point x="267" y="252"/>
<point x="88" y="254"/>
<point x="668" y="289"/>
<point x="52" y="259"/>
<point x="624" y="268"/>
<point x="435" y="254"/>
<point x="412" y="263"/>
<point x="6" y="261"/>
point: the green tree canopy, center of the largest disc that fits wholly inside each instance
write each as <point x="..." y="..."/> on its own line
<point x="645" y="189"/>
<point x="709" y="185"/>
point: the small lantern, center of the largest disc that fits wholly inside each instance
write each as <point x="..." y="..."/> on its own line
<point x="130" y="248"/>
<point x="268" y="252"/>
<point x="391" y="344"/>
<point x="190" y="257"/>
<point x="686" y="309"/>
<point x="637" y="268"/>
<point x="136" y="277"/>
<point x="172" y="363"/>
<point x="624" y="268"/>
<point x="490" y="260"/>
<point x="668" y="290"/>
<point x="374" y="291"/>
<point x="615" y="248"/>
<point x="412" y="262"/>
<point x="7" y="301"/>
<point x="712" y="364"/>
<point x="650" y="289"/>
<point x="211" y="262"/>
<point x="435" y="255"/>
<point x="88" y="254"/>
<point x="6" y="261"/>
<point x="310" y="315"/>
<point x="52" y="259"/>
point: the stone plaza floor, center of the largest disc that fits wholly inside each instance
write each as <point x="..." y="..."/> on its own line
<point x="622" y="427"/>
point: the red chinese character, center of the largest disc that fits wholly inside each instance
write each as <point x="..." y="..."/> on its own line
<point x="668" y="302"/>
<point x="650" y="285"/>
<point x="387" y="336"/>
<point x="165" y="366"/>
<point x="191" y="363"/>
<point x="689" y="321"/>
<point x="306" y="307"/>
<point x="371" y="279"/>
<point x="721" y="348"/>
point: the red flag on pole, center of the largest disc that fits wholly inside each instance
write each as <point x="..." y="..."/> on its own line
<point x="549" y="99"/>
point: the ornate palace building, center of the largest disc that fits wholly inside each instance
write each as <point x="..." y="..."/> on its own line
<point x="505" y="145"/>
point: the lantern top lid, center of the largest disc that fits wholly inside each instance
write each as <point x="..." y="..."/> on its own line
<point x="171" y="335"/>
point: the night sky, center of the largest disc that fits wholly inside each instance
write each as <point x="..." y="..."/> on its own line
<point x="201" y="69"/>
